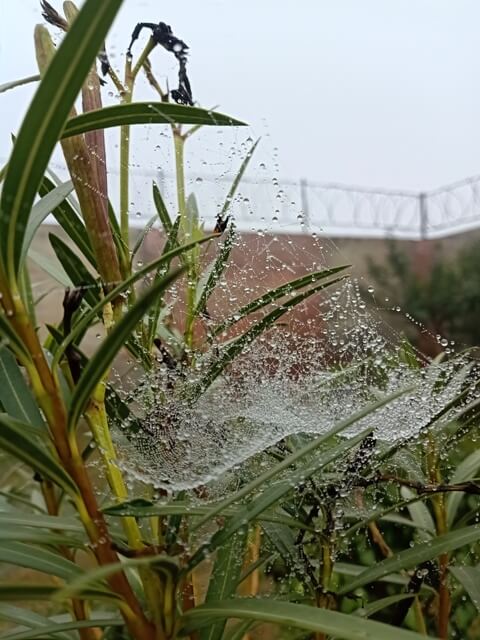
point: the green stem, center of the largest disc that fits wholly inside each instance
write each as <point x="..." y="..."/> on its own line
<point x="419" y="617"/>
<point x="179" y="146"/>
<point x="440" y="513"/>
<point x="185" y="233"/>
<point x="124" y="177"/>
<point x="127" y="96"/>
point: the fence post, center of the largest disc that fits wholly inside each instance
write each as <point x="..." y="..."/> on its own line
<point x="304" y="201"/>
<point x="423" y="209"/>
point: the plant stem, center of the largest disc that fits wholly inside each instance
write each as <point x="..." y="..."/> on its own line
<point x="419" y="617"/>
<point x="440" y="513"/>
<point x="185" y="234"/>
<point x="50" y="400"/>
<point x="98" y="423"/>
<point x="126" y="98"/>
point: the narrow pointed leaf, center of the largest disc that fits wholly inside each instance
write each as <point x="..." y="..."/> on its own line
<point x="58" y="627"/>
<point x="415" y="556"/>
<point x="15" y="395"/>
<point x="16" y="439"/>
<point x="10" y="337"/>
<point x="17" y="592"/>
<point x="466" y="470"/>
<point x="75" y="269"/>
<point x="51" y="267"/>
<point x="39" y="520"/>
<point x="224" y="578"/>
<point x="142" y="235"/>
<point x="41" y="210"/>
<point x="333" y="623"/>
<point x="214" y="272"/>
<point x="32" y="557"/>
<point x="25" y="618"/>
<point x="276" y="294"/>
<point x="234" y="348"/>
<point x="68" y="218"/>
<point x="145" y="113"/>
<point x="162" y="210"/>
<point x="469" y="578"/>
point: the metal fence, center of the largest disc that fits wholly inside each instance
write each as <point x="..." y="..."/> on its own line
<point x="331" y="209"/>
<point x="344" y="210"/>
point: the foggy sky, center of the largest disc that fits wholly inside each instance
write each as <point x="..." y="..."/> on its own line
<point x="372" y="92"/>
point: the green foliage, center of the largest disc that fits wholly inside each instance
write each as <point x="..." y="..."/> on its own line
<point x="444" y="300"/>
<point x="133" y="562"/>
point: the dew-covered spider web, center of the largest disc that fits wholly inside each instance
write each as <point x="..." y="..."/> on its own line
<point x="321" y="362"/>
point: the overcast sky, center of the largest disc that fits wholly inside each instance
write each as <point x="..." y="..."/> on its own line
<point x="373" y="92"/>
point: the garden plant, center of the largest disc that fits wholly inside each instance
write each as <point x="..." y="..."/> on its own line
<point x="248" y="480"/>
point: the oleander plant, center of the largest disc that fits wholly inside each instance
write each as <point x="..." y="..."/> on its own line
<point x="356" y="518"/>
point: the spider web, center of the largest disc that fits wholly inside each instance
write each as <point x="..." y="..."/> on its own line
<point x="323" y="361"/>
<point x="328" y="358"/>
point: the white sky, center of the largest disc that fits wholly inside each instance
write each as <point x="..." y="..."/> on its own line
<point x="373" y="92"/>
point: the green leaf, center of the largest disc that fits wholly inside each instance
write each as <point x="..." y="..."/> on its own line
<point x="374" y="607"/>
<point x="37" y="536"/>
<point x="229" y="352"/>
<point x="142" y="235"/>
<point x="15" y="394"/>
<point x="9" y="336"/>
<point x="420" y="514"/>
<point x="26" y="294"/>
<point x="466" y="470"/>
<point x="58" y="627"/>
<point x="283" y="539"/>
<point x="272" y="495"/>
<point x="339" y="625"/>
<point x="156" y="311"/>
<point x="145" y="113"/>
<point x="18" y="83"/>
<point x="350" y="569"/>
<point x="67" y="217"/>
<point x="45" y="121"/>
<point x="469" y="578"/>
<point x="98" y="365"/>
<point x="77" y="585"/>
<point x="224" y="578"/>
<point x="18" y="592"/>
<point x="416" y="555"/>
<point x="276" y="294"/>
<point x="32" y="557"/>
<point x="51" y="267"/>
<point x="233" y="189"/>
<point x="26" y="618"/>
<point x="140" y="508"/>
<point x="38" y="520"/>
<point x="213" y="273"/>
<point x="162" y="210"/>
<point x="41" y="210"/>
<point x="15" y="438"/>
<point x="75" y="269"/>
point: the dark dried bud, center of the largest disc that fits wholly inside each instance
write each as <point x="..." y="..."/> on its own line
<point x="52" y="16"/>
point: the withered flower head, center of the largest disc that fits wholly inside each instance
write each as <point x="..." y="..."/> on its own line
<point x="52" y="16"/>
